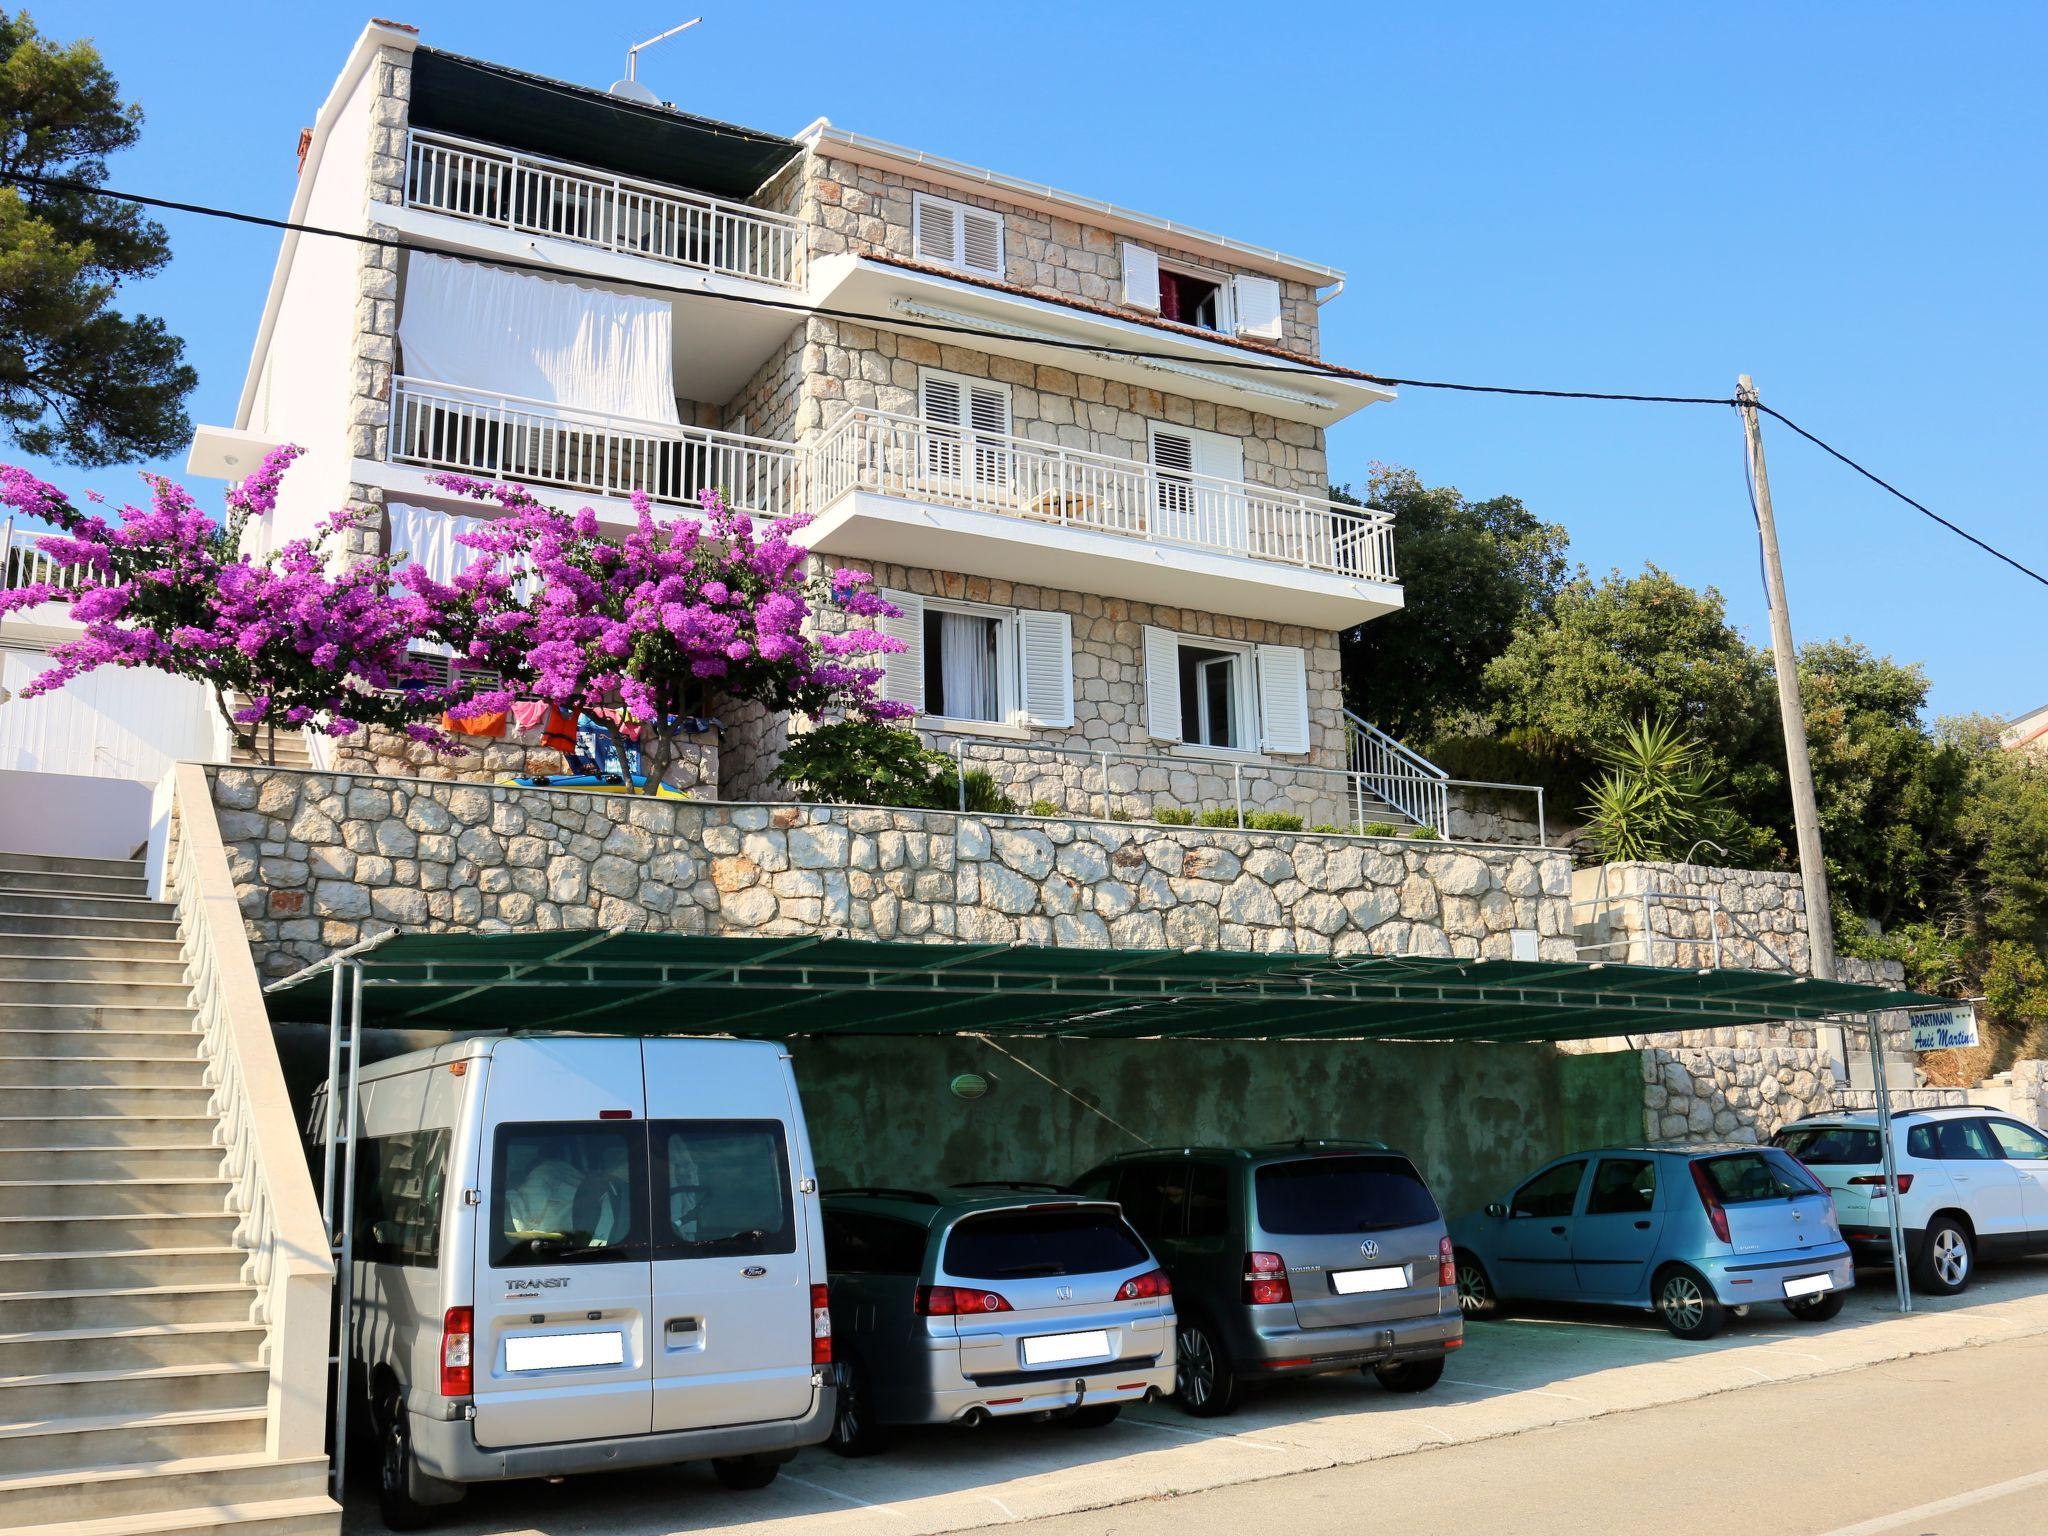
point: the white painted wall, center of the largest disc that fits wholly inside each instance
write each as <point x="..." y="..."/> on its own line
<point x="304" y="389"/>
<point x="116" y="723"/>
<point x="63" y="813"/>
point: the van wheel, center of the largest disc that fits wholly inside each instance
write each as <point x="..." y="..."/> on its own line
<point x="395" y="1471"/>
<point x="1203" y="1382"/>
<point x="1476" y="1295"/>
<point x="1687" y="1307"/>
<point x="856" y="1431"/>
<point x="743" y="1474"/>
<point x="1093" y="1415"/>
<point x="1409" y="1375"/>
<point x="1816" y="1309"/>
<point x="1947" y="1258"/>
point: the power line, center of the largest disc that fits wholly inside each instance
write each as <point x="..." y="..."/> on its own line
<point x="1135" y="354"/>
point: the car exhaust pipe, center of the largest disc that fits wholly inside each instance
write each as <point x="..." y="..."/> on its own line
<point x="974" y="1418"/>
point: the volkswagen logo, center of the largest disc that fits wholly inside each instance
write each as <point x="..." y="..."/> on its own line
<point x="1064" y="1293"/>
<point x="1369" y="1248"/>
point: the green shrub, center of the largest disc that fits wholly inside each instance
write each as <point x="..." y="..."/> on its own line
<point x="1218" y="816"/>
<point x="1118" y="813"/>
<point x="1172" y="816"/>
<point x="1379" y="829"/>
<point x="861" y="762"/>
<point x="1044" y="808"/>
<point x="1273" y="821"/>
<point x="1426" y="834"/>
<point x="1324" y="826"/>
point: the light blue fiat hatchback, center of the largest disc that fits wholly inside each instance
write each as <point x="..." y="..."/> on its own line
<point x="1689" y="1232"/>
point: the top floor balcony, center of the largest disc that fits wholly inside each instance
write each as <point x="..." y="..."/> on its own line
<point x="530" y="195"/>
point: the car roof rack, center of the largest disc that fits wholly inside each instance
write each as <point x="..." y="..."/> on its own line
<point x="1186" y="1151"/>
<point x="1307" y="1143"/>
<point x="887" y="1192"/>
<point x="1021" y="1186"/>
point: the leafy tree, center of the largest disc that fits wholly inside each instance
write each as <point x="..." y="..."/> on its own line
<point x="858" y="761"/>
<point x="1474" y="573"/>
<point x="79" y="381"/>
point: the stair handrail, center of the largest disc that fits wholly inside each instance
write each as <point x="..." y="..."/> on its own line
<point x="1394" y="746"/>
<point x="271" y="1187"/>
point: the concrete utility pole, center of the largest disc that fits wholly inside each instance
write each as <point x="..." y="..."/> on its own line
<point x="1813" y="871"/>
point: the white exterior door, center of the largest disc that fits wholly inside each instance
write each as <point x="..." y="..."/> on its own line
<point x="1197" y="495"/>
<point x="562" y="1268"/>
<point x="116" y="723"/>
<point x="732" y="1279"/>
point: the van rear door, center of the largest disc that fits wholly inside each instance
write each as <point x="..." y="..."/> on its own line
<point x="1357" y="1232"/>
<point x="563" y="1275"/>
<point x="732" y="1244"/>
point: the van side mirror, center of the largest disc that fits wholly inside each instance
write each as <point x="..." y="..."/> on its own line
<point x="1496" y="1209"/>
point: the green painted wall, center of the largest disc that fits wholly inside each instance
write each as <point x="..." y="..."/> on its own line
<point x="1474" y="1117"/>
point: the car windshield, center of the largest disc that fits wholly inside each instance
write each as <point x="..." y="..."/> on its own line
<point x="1831" y="1146"/>
<point x="1017" y="1245"/>
<point x="1313" y="1196"/>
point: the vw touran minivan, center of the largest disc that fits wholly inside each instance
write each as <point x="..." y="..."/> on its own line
<point x="578" y="1253"/>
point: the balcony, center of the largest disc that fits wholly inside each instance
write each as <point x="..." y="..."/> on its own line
<point x="23" y="564"/>
<point x="506" y="437"/>
<point x="911" y="492"/>
<point x="527" y="195"/>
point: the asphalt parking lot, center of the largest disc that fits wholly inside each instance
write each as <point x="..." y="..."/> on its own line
<point x="1524" y="1372"/>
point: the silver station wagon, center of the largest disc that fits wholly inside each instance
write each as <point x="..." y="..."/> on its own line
<point x="959" y="1306"/>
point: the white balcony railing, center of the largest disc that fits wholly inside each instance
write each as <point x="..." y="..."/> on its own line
<point x="467" y="179"/>
<point x="507" y="437"/>
<point x="907" y="456"/>
<point x="23" y="563"/>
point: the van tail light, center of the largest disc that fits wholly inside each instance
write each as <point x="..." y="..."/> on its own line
<point x="457" y="1341"/>
<point x="1874" y="1182"/>
<point x="821" y="1325"/>
<point x="1717" y="1213"/>
<point x="1265" y="1280"/>
<point x="956" y="1301"/>
<point x="1446" y="1263"/>
<point x="1146" y="1286"/>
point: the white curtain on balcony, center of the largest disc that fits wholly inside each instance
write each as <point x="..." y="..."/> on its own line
<point x="427" y="535"/>
<point x="509" y="333"/>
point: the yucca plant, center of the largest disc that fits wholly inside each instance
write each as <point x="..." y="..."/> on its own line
<point x="1658" y="796"/>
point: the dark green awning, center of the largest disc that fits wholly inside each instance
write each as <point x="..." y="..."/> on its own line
<point x="516" y="110"/>
<point x="664" y="983"/>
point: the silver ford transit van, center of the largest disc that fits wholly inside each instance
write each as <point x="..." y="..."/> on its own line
<point x="576" y="1253"/>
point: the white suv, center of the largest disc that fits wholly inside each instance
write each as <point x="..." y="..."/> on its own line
<point x="1973" y="1183"/>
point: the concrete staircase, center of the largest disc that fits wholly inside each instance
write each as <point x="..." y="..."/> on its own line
<point x="290" y="746"/>
<point x="132" y="1379"/>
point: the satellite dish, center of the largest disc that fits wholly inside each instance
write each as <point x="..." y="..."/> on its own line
<point x="633" y="90"/>
<point x="630" y="88"/>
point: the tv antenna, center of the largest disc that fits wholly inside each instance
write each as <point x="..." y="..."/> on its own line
<point x="630" y="87"/>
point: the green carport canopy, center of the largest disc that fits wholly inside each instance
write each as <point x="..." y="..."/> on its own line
<point x="779" y="988"/>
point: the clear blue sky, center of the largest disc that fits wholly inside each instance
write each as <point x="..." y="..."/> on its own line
<point x="1843" y="199"/>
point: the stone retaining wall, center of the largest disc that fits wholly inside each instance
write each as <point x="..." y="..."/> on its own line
<point x="325" y="860"/>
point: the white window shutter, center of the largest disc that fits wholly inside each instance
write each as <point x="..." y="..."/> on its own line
<point x="936" y="238"/>
<point x="1141" y="277"/>
<point x="1045" y="646"/>
<point x="1257" y="302"/>
<point x="903" y="671"/>
<point x="1162" y="684"/>
<point x="1283" y="699"/>
<point x="939" y="400"/>
<point x="1173" y="450"/>
<point x="988" y="409"/>
<point x="981" y="241"/>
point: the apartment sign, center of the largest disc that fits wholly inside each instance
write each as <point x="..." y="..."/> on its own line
<point x="1941" y="1029"/>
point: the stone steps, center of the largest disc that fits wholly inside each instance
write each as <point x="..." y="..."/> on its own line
<point x="106" y="1045"/>
<point x="309" y="1516"/>
<point x="134" y="1306"/>
<point x="31" y="902"/>
<point x="153" y="1018"/>
<point x="175" y="1434"/>
<point x="107" y="1129"/>
<point x="138" y="1162"/>
<point x="30" y="1400"/>
<point x="110" y="1350"/>
<point x="159" y="1487"/>
<point x="60" y="944"/>
<point x="114" y="1196"/>
<point x="126" y="1269"/>
<point x="103" y="1071"/>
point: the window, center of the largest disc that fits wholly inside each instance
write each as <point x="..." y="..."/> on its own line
<point x="857" y="1243"/>
<point x="1952" y="1141"/>
<point x="568" y="1192"/>
<point x="1208" y="1201"/>
<point x="1623" y="1186"/>
<point x="950" y="234"/>
<point x="721" y="1189"/>
<point x="1014" y="1245"/>
<point x="1193" y="298"/>
<point x="2018" y="1141"/>
<point x="1211" y="683"/>
<point x="1552" y="1192"/>
<point x="1752" y="1178"/>
<point x="1832" y="1146"/>
<point x="1155" y="1199"/>
<point x="969" y="427"/>
<point x="1215" y="693"/>
<point x="969" y="662"/>
<point x="1326" y="1195"/>
<point x="399" y="1182"/>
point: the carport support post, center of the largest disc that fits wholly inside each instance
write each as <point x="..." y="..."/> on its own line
<point x="1891" y="1161"/>
<point x="333" y="1068"/>
<point x="345" y="1276"/>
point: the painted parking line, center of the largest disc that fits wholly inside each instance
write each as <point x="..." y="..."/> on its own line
<point x="1948" y="1506"/>
<point x="845" y="1498"/>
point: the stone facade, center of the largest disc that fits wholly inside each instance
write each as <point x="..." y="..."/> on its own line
<point x="322" y="861"/>
<point x="860" y="208"/>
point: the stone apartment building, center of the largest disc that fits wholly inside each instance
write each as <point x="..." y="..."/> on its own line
<point x="1082" y="447"/>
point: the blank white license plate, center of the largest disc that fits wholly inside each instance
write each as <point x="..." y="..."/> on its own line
<point x="564" y="1351"/>
<point x="1052" y="1348"/>
<point x="1809" y="1285"/>
<point x="1350" y="1282"/>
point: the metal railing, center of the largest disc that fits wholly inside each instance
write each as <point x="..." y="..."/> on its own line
<point x="1085" y="782"/>
<point x="468" y="179"/>
<point x="1397" y="773"/>
<point x="23" y="563"/>
<point x="1723" y="926"/>
<point x="511" y="437"/>
<point x="990" y="472"/>
<point x="271" y="1193"/>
